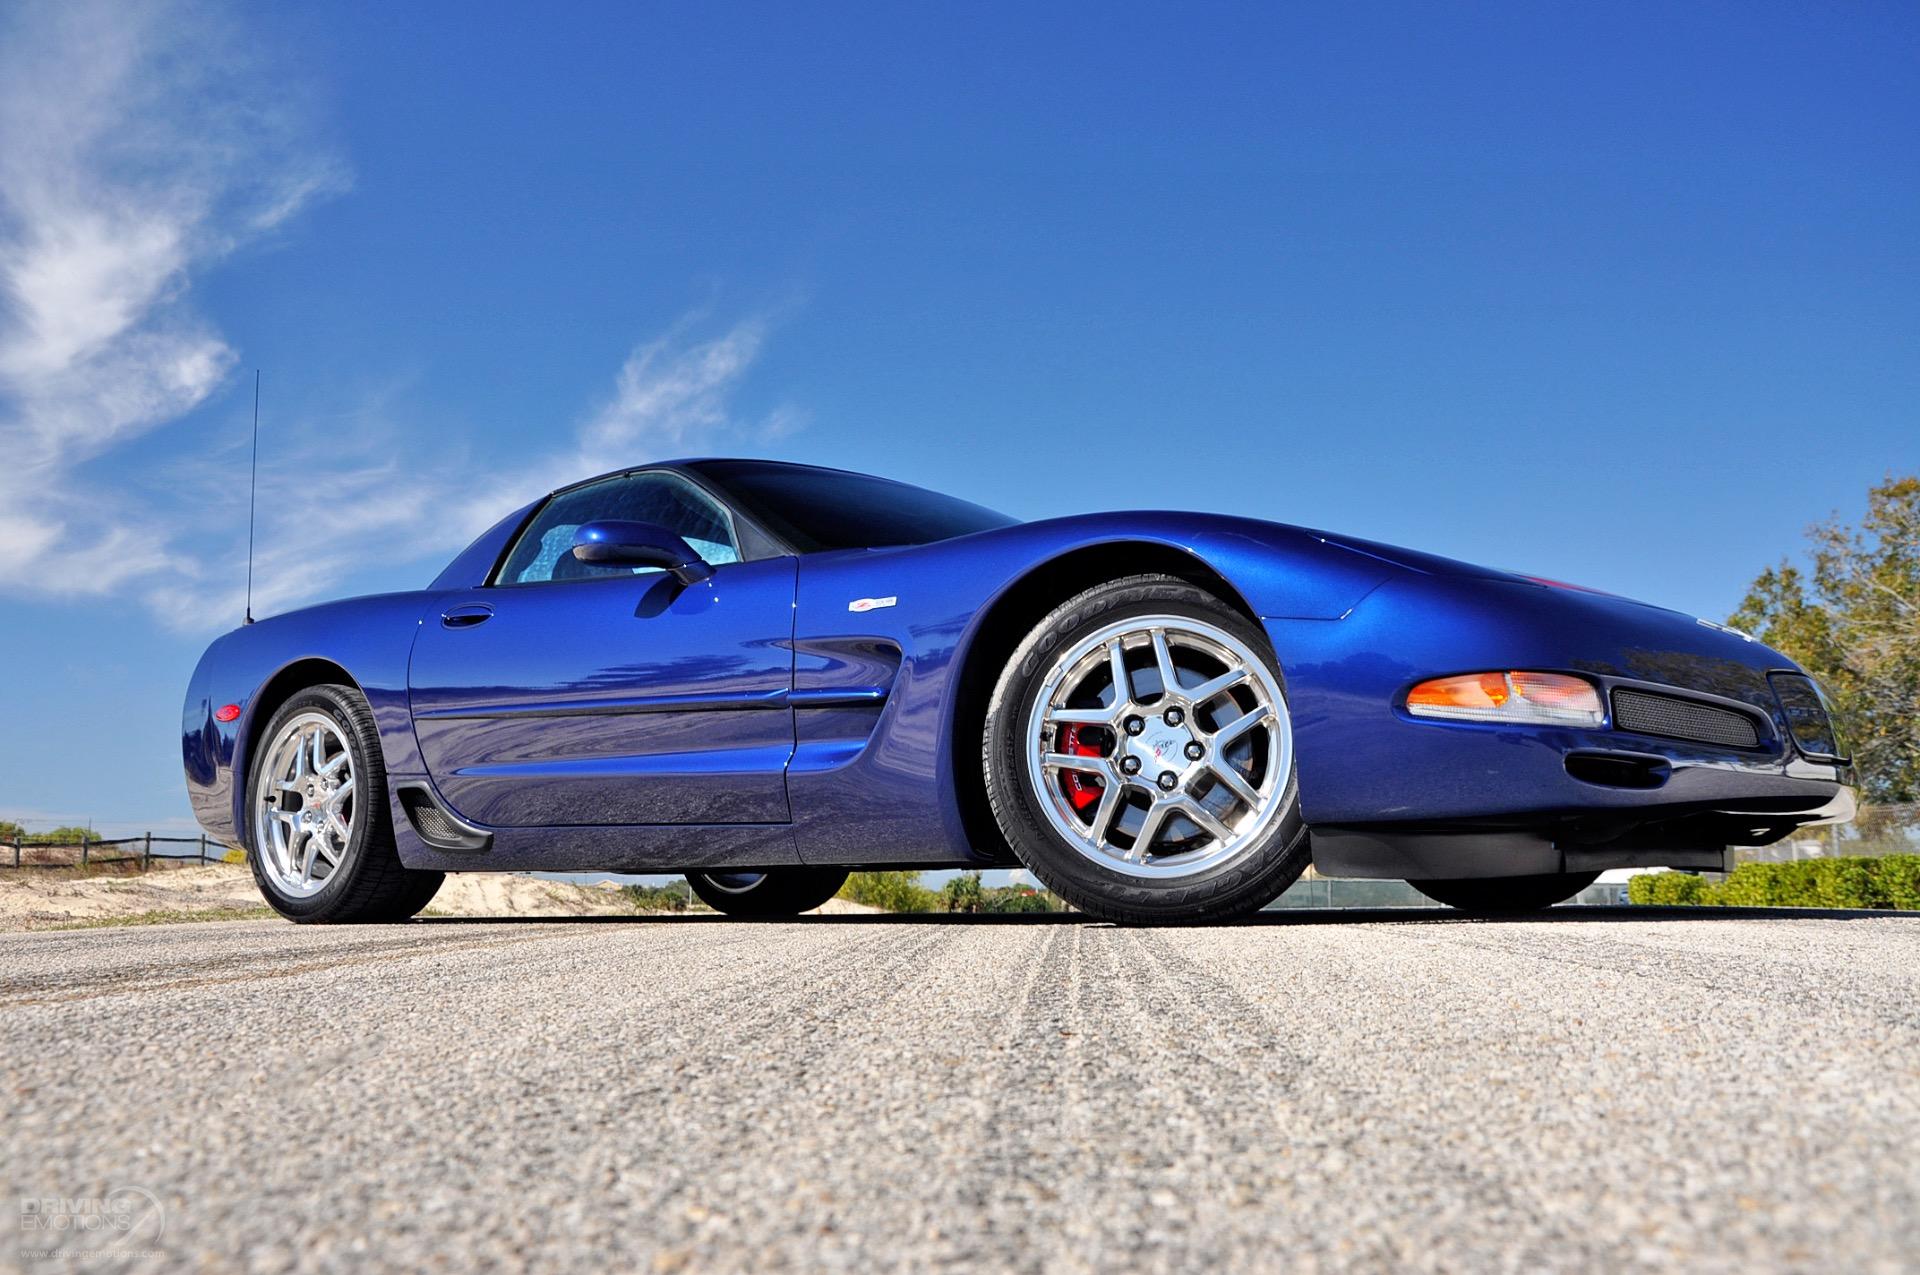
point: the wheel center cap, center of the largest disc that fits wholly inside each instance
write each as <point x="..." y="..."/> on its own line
<point x="1161" y="747"/>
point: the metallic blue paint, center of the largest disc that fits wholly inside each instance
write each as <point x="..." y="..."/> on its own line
<point x="644" y="544"/>
<point x="1364" y="760"/>
<point x="613" y="700"/>
<point x="752" y="719"/>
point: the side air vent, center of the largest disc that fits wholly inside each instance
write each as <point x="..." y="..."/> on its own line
<point x="1673" y="717"/>
<point x="438" y="828"/>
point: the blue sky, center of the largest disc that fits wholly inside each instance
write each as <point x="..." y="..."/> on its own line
<point x="1621" y="294"/>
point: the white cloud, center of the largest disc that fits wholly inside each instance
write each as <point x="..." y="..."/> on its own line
<point x="140" y="145"/>
<point x="666" y="394"/>
<point x="672" y="395"/>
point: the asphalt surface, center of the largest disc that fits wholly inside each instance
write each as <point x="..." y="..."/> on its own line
<point x="1599" y="1090"/>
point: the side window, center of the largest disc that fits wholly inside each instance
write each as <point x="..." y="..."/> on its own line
<point x="544" y="551"/>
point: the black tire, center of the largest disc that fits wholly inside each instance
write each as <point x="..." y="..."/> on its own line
<point x="1507" y="894"/>
<point x="1240" y="885"/>
<point x="370" y="884"/>
<point x="774" y="892"/>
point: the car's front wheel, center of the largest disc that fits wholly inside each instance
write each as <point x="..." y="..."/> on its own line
<point x="320" y="834"/>
<point x="1139" y="756"/>
<point x="1507" y="894"/>
<point x="774" y="892"/>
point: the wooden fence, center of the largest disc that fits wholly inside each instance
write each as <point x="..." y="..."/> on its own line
<point x="204" y="851"/>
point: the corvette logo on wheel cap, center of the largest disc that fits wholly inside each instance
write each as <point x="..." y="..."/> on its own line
<point x="870" y="604"/>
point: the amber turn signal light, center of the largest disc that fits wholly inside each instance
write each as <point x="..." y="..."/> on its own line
<point x="1542" y="699"/>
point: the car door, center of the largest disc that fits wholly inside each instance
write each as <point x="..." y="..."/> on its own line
<point x="567" y="693"/>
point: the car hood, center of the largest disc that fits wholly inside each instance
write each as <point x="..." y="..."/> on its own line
<point x="1453" y="569"/>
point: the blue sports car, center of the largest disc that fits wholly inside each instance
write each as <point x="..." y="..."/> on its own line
<point x="763" y="675"/>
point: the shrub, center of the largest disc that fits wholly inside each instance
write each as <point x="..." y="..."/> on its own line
<point x="1019" y="898"/>
<point x="1752" y="885"/>
<point x="890" y="891"/>
<point x="1897" y="883"/>
<point x="1808" y="883"/>
<point x="1889" y="882"/>
<point x="1843" y="883"/>
<point x="65" y="836"/>
<point x="656" y="898"/>
<point x="1669" y="889"/>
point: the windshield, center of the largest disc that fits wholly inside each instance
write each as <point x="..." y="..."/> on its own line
<point x="820" y="509"/>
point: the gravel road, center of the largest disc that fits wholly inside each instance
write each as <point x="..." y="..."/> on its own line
<point x="1602" y="1089"/>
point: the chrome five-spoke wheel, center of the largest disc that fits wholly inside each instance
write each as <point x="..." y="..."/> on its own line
<point x="320" y="836"/>
<point x="1160" y="746"/>
<point x="303" y="808"/>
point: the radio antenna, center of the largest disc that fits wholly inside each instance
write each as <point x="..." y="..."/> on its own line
<point x="253" y="486"/>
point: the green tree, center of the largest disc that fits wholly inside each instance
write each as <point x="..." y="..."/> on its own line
<point x="1852" y="619"/>
<point x="11" y="831"/>
<point x="963" y="893"/>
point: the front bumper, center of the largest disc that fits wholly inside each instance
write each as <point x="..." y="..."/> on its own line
<point x="1389" y="795"/>
<point x="1701" y="840"/>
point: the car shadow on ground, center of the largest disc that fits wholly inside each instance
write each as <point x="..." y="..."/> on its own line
<point x="1278" y="917"/>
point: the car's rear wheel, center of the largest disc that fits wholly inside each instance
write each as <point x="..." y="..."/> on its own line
<point x="1507" y="894"/>
<point x="320" y="834"/>
<point x="774" y="892"/>
<point x="1139" y="756"/>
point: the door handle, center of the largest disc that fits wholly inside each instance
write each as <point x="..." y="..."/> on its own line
<point x="465" y="617"/>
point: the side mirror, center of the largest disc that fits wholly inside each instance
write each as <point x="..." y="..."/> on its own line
<point x="639" y="544"/>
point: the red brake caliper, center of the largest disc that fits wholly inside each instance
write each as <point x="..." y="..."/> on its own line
<point x="1083" y="788"/>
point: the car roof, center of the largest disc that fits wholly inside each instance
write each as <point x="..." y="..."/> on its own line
<point x="699" y="465"/>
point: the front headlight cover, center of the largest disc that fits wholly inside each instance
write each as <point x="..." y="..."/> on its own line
<point x="1510" y="696"/>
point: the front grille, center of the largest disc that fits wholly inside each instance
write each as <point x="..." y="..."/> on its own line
<point x="1808" y="721"/>
<point x="1646" y="713"/>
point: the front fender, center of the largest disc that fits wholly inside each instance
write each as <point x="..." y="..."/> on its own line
<point x="1279" y="571"/>
<point x="883" y="640"/>
<point x="367" y="640"/>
